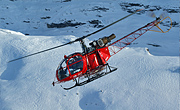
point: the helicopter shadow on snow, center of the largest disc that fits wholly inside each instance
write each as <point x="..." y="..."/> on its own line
<point x="13" y="68"/>
<point x="92" y="101"/>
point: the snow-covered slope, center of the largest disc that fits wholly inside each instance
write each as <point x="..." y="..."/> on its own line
<point x="143" y="80"/>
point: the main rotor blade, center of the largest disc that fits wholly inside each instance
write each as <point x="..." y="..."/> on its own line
<point x="78" y="39"/>
<point x="42" y="51"/>
<point x="111" y="24"/>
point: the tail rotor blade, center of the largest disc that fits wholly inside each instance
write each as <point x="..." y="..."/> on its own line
<point x="151" y="14"/>
<point x="163" y="15"/>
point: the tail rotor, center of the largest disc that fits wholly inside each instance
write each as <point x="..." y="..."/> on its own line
<point x="165" y="23"/>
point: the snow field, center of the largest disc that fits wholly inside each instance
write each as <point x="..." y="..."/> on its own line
<point x="142" y="81"/>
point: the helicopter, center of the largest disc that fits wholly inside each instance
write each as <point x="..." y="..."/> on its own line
<point x="92" y="62"/>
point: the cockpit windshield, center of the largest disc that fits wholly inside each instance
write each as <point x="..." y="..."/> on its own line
<point x="62" y="70"/>
<point x="70" y="66"/>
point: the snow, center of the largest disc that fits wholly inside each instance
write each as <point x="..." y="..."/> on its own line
<point x="144" y="80"/>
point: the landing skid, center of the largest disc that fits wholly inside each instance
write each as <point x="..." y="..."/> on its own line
<point x="94" y="77"/>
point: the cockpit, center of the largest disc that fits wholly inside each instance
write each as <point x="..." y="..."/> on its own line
<point x="69" y="66"/>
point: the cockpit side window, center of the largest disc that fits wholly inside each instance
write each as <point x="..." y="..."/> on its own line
<point x="75" y="64"/>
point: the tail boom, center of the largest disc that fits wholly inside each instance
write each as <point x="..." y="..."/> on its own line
<point x="118" y="45"/>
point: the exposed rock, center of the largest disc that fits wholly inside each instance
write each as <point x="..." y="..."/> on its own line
<point x="64" y="24"/>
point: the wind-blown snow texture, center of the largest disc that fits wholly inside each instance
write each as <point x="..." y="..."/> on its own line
<point x="143" y="81"/>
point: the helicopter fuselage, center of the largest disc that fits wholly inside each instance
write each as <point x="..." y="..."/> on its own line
<point x="79" y="64"/>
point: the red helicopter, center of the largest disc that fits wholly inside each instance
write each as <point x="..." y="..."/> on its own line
<point x="91" y="64"/>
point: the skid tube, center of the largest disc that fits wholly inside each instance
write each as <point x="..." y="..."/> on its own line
<point x="96" y="76"/>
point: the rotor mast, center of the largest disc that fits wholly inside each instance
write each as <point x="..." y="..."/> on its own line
<point x="83" y="46"/>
